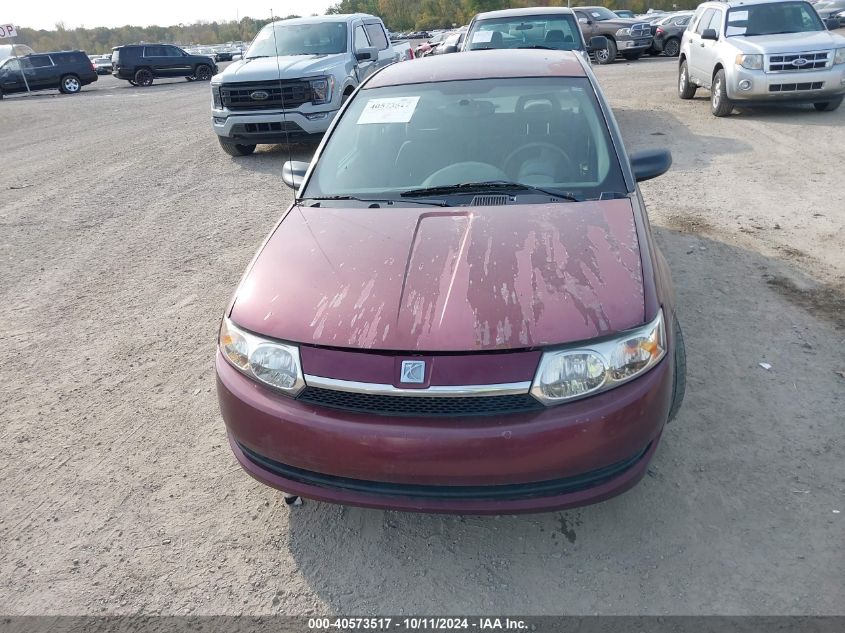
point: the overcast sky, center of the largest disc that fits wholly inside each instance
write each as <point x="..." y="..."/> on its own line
<point x="43" y="14"/>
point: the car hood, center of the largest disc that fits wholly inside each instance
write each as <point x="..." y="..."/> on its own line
<point x="622" y="22"/>
<point x="788" y="43"/>
<point x="467" y="279"/>
<point x="292" y="67"/>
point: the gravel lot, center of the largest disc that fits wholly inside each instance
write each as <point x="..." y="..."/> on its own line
<point x="123" y="231"/>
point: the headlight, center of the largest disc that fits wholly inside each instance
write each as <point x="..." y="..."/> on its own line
<point x="623" y="32"/>
<point x="321" y="90"/>
<point x="216" y="98"/>
<point x="274" y="364"/>
<point x="751" y="62"/>
<point x="839" y="57"/>
<point x="569" y="374"/>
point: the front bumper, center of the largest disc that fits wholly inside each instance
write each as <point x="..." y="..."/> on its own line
<point x="800" y="86"/>
<point x="557" y="457"/>
<point x="269" y="127"/>
<point x="634" y="45"/>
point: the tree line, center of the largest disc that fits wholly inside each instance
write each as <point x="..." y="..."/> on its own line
<point x="102" y="39"/>
<point x="403" y="15"/>
<point x="398" y="15"/>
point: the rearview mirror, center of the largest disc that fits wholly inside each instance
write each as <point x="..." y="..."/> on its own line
<point x="366" y="54"/>
<point x="237" y="57"/>
<point x="710" y="34"/>
<point x="597" y="43"/>
<point x="650" y="163"/>
<point x="293" y="173"/>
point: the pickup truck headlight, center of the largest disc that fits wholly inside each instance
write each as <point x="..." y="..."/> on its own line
<point x="751" y="62"/>
<point x="216" y="98"/>
<point x="270" y="362"/>
<point x="321" y="90"/>
<point x="569" y="374"/>
<point x="623" y="32"/>
<point x="839" y="57"/>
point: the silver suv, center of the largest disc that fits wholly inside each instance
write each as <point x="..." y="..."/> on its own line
<point x="761" y="51"/>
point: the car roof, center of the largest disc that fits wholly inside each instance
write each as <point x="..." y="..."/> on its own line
<point x="488" y="64"/>
<point x="338" y="17"/>
<point x="516" y="13"/>
<point x="743" y="3"/>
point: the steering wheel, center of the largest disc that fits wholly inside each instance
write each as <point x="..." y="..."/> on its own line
<point x="547" y="154"/>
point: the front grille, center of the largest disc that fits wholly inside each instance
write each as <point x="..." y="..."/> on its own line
<point x="419" y="406"/>
<point x="261" y="128"/>
<point x="242" y="96"/>
<point x="818" y="85"/>
<point x="641" y="30"/>
<point x="805" y="61"/>
<point x="528" y="490"/>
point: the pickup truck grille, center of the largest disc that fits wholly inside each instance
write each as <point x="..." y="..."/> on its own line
<point x="796" y="62"/>
<point x="642" y="29"/>
<point x="264" y="95"/>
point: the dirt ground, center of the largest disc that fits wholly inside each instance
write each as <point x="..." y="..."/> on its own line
<point x="123" y="231"/>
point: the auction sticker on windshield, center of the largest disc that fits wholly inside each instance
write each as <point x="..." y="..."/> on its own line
<point x="389" y="110"/>
<point x="482" y="37"/>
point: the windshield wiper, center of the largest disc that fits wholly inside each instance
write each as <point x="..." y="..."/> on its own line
<point x="389" y="201"/>
<point x="492" y="185"/>
<point x="545" y="48"/>
<point x="256" y="57"/>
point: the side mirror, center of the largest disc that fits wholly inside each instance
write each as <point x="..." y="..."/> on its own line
<point x="293" y="173"/>
<point x="366" y="54"/>
<point x="237" y="57"/>
<point x="650" y="163"/>
<point x="597" y="43"/>
<point x="832" y="23"/>
<point x="710" y="34"/>
<point x="450" y="49"/>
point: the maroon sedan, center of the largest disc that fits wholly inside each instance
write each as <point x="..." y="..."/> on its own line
<point x="464" y="310"/>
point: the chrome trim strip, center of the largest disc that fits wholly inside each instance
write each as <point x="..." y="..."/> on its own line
<point x="501" y="389"/>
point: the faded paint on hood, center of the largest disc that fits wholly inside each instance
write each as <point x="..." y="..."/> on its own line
<point x="456" y="279"/>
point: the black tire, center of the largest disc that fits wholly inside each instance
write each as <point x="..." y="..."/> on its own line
<point x="679" y="387"/>
<point x="607" y="55"/>
<point x="672" y="47"/>
<point x="190" y="78"/>
<point x="203" y="73"/>
<point x="1" y="94"/>
<point x="234" y="149"/>
<point x="828" y="106"/>
<point x="686" y="89"/>
<point x="143" y="77"/>
<point x="720" y="105"/>
<point x="131" y="82"/>
<point x="632" y="57"/>
<point x="70" y="85"/>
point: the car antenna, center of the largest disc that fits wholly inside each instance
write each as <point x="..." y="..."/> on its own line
<point x="284" y="108"/>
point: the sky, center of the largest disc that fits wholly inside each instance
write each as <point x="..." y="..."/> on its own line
<point x="43" y="14"/>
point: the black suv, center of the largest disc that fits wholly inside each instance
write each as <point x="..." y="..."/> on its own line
<point x="139" y="64"/>
<point x="66" y="71"/>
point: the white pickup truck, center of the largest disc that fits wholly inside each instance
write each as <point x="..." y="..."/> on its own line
<point x="294" y="78"/>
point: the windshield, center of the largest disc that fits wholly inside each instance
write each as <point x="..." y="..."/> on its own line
<point x="772" y="19"/>
<point x="599" y="14"/>
<point x="559" y="32"/>
<point x="321" y="38"/>
<point x="542" y="132"/>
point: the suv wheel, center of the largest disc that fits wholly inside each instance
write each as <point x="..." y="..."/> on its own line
<point x="672" y="48"/>
<point x="828" y="106"/>
<point x="686" y="89"/>
<point x="607" y="55"/>
<point x="233" y="149"/>
<point x="720" y="105"/>
<point x="70" y="85"/>
<point x="144" y="77"/>
<point x="203" y="73"/>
